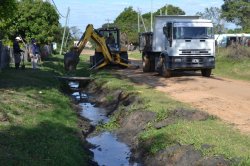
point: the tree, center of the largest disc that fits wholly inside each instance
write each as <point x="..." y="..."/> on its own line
<point x="34" y="19"/>
<point x="237" y="11"/>
<point x="166" y="10"/>
<point x="76" y="32"/>
<point x="7" y="9"/>
<point x="214" y="14"/>
<point x="127" y="22"/>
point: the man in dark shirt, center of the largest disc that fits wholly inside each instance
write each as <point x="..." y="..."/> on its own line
<point x="110" y="40"/>
<point x="17" y="52"/>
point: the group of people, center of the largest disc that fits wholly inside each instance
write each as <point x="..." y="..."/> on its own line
<point x="33" y="52"/>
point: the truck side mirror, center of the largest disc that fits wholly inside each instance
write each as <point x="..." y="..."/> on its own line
<point x="169" y="33"/>
<point x="165" y="31"/>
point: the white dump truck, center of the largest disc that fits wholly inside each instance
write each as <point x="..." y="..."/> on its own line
<point x="178" y="43"/>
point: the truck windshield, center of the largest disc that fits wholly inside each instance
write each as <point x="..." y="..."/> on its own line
<point x="193" y="33"/>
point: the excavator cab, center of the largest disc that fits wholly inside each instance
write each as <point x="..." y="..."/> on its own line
<point x="117" y="50"/>
<point x="112" y="37"/>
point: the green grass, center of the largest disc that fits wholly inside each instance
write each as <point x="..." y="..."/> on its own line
<point x="232" y="68"/>
<point x="135" y="55"/>
<point x="37" y="123"/>
<point x="223" y="138"/>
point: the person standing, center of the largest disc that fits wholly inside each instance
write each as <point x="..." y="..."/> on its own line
<point x="35" y="57"/>
<point x="17" y="52"/>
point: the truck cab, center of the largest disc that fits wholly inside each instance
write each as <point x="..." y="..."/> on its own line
<point x="179" y="43"/>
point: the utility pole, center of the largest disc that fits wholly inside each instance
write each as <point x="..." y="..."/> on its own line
<point x="166" y="10"/>
<point x="66" y="42"/>
<point x="151" y="16"/>
<point x="139" y="12"/>
<point x="108" y="20"/>
<point x="138" y="18"/>
<point x="66" y="22"/>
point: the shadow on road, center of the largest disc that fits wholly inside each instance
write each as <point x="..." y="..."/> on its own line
<point x="153" y="79"/>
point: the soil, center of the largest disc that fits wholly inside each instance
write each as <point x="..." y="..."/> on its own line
<point x="225" y="98"/>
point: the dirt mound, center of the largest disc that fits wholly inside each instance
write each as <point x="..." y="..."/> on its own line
<point x="190" y="115"/>
<point x="4" y="117"/>
<point x="133" y="124"/>
<point x="183" y="155"/>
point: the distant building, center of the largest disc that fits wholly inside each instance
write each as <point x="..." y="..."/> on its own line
<point x="224" y="40"/>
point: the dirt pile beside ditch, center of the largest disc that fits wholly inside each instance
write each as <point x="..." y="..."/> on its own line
<point x="132" y="123"/>
<point x="175" y="115"/>
<point x="180" y="155"/>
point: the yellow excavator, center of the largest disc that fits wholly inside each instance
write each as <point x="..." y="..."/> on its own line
<point x="109" y="50"/>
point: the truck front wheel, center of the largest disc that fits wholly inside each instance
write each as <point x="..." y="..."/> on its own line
<point x="145" y="64"/>
<point x="206" y="72"/>
<point x="165" y="72"/>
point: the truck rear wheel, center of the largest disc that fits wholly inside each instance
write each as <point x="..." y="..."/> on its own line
<point x="145" y="64"/>
<point x="206" y="72"/>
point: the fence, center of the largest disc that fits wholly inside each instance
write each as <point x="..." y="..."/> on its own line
<point x="5" y="56"/>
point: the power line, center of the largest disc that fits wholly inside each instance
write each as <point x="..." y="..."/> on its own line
<point x="57" y="9"/>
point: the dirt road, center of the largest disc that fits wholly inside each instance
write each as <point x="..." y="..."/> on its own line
<point x="227" y="99"/>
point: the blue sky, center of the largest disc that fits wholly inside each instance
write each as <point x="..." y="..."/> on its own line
<point x="96" y="12"/>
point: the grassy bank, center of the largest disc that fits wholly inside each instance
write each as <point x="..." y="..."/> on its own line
<point x="233" y="63"/>
<point x="38" y="126"/>
<point x="221" y="138"/>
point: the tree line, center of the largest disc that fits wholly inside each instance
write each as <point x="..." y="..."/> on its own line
<point x="32" y="19"/>
<point x="234" y="11"/>
<point x="39" y="19"/>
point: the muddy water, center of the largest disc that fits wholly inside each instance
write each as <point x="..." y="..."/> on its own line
<point x="108" y="151"/>
<point x="94" y="114"/>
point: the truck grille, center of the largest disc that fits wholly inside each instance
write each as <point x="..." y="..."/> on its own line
<point x="194" y="52"/>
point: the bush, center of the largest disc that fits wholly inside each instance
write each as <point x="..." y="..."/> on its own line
<point x="236" y="52"/>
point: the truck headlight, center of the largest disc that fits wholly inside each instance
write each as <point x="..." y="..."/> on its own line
<point x="210" y="59"/>
<point x="177" y="60"/>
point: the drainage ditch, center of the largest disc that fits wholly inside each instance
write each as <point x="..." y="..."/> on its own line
<point x="108" y="150"/>
<point x="123" y="146"/>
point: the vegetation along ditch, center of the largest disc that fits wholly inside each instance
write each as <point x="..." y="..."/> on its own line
<point x="152" y="128"/>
